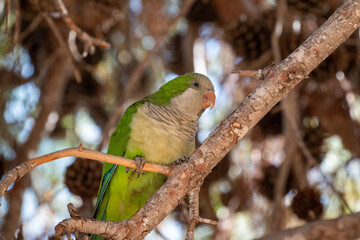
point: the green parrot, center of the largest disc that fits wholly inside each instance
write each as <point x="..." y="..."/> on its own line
<point x="158" y="129"/>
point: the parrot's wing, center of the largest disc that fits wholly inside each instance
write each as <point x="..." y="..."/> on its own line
<point x="104" y="184"/>
<point x="117" y="146"/>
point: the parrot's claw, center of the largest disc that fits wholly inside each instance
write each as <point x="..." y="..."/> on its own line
<point x="181" y="160"/>
<point x="140" y="163"/>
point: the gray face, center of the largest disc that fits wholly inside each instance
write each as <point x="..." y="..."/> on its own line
<point x="201" y="82"/>
<point x="190" y="102"/>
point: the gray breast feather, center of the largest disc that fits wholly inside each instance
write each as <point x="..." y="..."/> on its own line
<point x="180" y="124"/>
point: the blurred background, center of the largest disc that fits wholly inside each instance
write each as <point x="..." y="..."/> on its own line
<point x="56" y="91"/>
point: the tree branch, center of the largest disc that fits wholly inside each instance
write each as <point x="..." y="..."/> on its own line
<point x="193" y="211"/>
<point x="62" y="43"/>
<point x="88" y="40"/>
<point x="18" y="172"/>
<point x="282" y="78"/>
<point x="344" y="227"/>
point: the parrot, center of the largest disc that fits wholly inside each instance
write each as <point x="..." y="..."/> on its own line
<point x="158" y="129"/>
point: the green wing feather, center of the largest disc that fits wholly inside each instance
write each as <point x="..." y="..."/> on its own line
<point x="117" y="146"/>
<point x="104" y="184"/>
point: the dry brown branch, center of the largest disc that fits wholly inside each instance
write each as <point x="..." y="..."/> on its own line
<point x="193" y="211"/>
<point x="260" y="74"/>
<point x="34" y="24"/>
<point x="282" y="78"/>
<point x="8" y="4"/>
<point x="88" y="40"/>
<point x="309" y="157"/>
<point x="289" y="106"/>
<point x="344" y="227"/>
<point x="299" y="140"/>
<point x="21" y="170"/>
<point x="139" y="70"/>
<point x="17" y="22"/>
<point x="244" y="73"/>
<point x="292" y="120"/>
<point x="337" y="192"/>
<point x="194" y="217"/>
<point x="62" y="43"/>
<point x="279" y="25"/>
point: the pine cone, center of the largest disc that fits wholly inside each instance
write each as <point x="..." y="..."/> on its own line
<point x="83" y="177"/>
<point x="249" y="39"/>
<point x="240" y="194"/>
<point x="314" y="138"/>
<point x="266" y="184"/>
<point x="339" y="60"/>
<point x="306" y="7"/>
<point x="306" y="204"/>
<point x="271" y="123"/>
<point x="202" y="11"/>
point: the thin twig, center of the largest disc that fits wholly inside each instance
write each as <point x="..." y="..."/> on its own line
<point x="62" y="43"/>
<point x="34" y="24"/>
<point x="278" y="214"/>
<point x="207" y="221"/>
<point x="299" y="140"/>
<point x="260" y="74"/>
<point x="18" y="172"/>
<point x="161" y="235"/>
<point x="337" y="192"/>
<point x="8" y="3"/>
<point x="244" y="73"/>
<point x="88" y="40"/>
<point x="193" y="211"/>
<point x="279" y="25"/>
<point x="310" y="158"/>
<point x="17" y="22"/>
<point x="19" y="37"/>
<point x="194" y="217"/>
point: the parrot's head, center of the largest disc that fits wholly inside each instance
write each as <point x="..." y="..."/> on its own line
<point x="197" y="94"/>
<point x="190" y="93"/>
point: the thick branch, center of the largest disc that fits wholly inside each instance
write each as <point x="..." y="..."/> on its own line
<point x="21" y="170"/>
<point x="344" y="227"/>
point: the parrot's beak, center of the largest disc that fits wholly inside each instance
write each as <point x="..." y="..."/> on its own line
<point x="208" y="100"/>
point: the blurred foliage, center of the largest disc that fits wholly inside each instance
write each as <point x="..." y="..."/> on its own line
<point x="43" y="108"/>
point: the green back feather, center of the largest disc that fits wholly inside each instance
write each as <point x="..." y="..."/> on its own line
<point x="171" y="89"/>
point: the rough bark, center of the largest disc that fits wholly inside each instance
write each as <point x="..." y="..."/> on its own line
<point x="280" y="80"/>
<point x="345" y="227"/>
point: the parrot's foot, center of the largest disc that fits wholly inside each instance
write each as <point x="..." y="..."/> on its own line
<point x="181" y="160"/>
<point x="140" y="163"/>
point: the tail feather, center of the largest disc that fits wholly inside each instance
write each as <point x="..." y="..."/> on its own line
<point x="104" y="184"/>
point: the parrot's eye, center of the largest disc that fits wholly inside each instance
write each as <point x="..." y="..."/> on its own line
<point x="196" y="84"/>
